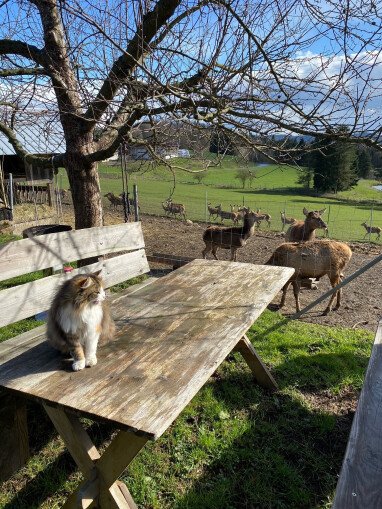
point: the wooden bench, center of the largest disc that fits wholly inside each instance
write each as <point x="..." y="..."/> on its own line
<point x="172" y="335"/>
<point x="23" y="301"/>
<point x="360" y="482"/>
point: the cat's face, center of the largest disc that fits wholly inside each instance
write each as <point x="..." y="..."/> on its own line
<point x="88" y="289"/>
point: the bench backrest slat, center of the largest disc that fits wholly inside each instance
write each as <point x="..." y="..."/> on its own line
<point x="26" y="300"/>
<point x="41" y="252"/>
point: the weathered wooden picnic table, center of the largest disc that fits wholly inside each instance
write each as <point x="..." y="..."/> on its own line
<point x="172" y="335"/>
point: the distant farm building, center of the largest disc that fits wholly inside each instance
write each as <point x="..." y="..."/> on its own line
<point x="141" y="153"/>
<point x="39" y="133"/>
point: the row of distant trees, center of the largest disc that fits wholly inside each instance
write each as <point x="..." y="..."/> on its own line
<point x="326" y="165"/>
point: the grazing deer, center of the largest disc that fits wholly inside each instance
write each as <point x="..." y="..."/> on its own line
<point x="229" y="237"/>
<point x="286" y="220"/>
<point x="174" y="208"/>
<point x="131" y="201"/>
<point x="214" y="211"/>
<point x="301" y="231"/>
<point x="263" y="217"/>
<point x="227" y="215"/>
<point x="115" y="201"/>
<point x="312" y="259"/>
<point x="372" y="229"/>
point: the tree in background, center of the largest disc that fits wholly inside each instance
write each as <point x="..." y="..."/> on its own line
<point x="334" y="164"/>
<point x="100" y="72"/>
<point x="245" y="175"/>
<point x="200" y="176"/>
<point x="364" y="167"/>
<point x="220" y="143"/>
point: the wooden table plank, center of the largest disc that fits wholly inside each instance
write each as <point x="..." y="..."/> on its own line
<point x="176" y="332"/>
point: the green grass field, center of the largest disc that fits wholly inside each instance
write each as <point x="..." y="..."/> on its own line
<point x="273" y="190"/>
<point x="235" y="445"/>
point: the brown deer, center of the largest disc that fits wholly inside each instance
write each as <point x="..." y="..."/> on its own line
<point x="214" y="211"/>
<point x="227" y="237"/>
<point x="286" y="220"/>
<point x="372" y="229"/>
<point x="301" y="231"/>
<point x="263" y="217"/>
<point x="312" y="259"/>
<point x="115" y="201"/>
<point x="234" y="216"/>
<point x="174" y="208"/>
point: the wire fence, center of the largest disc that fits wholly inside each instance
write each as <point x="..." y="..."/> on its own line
<point x="344" y="220"/>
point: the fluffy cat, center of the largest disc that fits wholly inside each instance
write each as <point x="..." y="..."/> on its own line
<point x="78" y="318"/>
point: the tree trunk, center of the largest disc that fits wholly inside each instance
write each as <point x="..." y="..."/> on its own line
<point x="86" y="193"/>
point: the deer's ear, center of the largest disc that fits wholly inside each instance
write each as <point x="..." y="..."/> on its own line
<point x="305" y="211"/>
<point x="321" y="211"/>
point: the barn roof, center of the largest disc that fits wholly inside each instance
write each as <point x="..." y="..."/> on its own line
<point x="38" y="132"/>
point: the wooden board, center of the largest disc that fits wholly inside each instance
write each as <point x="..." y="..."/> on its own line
<point x="359" y="485"/>
<point x="26" y="300"/>
<point x="175" y="333"/>
<point x="44" y="251"/>
<point x="173" y="260"/>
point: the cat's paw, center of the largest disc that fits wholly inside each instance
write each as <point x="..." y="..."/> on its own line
<point x="91" y="361"/>
<point x="78" y="365"/>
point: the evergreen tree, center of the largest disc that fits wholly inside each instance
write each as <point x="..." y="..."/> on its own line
<point x="335" y="165"/>
<point x="365" y="168"/>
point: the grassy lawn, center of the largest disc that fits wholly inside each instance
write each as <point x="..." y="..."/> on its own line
<point x="273" y="190"/>
<point x="235" y="445"/>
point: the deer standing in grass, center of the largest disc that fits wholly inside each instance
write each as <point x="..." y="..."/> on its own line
<point x="301" y="231"/>
<point x="312" y="259"/>
<point x="213" y="211"/>
<point x="263" y="216"/>
<point x="372" y="229"/>
<point x="227" y="237"/>
<point x="286" y="220"/>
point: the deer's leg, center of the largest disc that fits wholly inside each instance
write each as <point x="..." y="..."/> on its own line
<point x="296" y="291"/>
<point x="285" y="289"/>
<point x="335" y="279"/>
<point x="233" y="254"/>
<point x="214" y="249"/>
<point x="206" y="250"/>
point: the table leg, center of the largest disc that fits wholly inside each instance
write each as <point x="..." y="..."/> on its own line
<point x="258" y="368"/>
<point x="100" y="488"/>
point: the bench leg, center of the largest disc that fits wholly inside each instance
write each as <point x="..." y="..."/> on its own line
<point x="101" y="487"/>
<point x="258" y="368"/>
<point x="14" y="450"/>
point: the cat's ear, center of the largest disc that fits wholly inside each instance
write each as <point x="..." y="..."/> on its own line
<point x="85" y="283"/>
<point x="98" y="273"/>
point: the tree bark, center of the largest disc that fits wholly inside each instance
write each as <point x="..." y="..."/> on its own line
<point x="86" y="193"/>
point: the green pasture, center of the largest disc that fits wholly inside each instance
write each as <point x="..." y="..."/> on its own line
<point x="274" y="189"/>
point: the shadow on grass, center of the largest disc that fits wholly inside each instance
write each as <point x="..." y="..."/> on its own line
<point x="288" y="457"/>
<point x="55" y="475"/>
